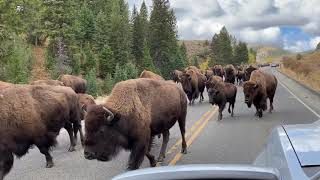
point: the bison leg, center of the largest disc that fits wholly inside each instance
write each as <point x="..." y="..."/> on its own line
<point x="6" y="162"/>
<point x="271" y="105"/>
<point x="232" y="106"/>
<point x="137" y="155"/>
<point x="78" y="127"/>
<point x="151" y="158"/>
<point x="165" y="140"/>
<point x="69" y="128"/>
<point x="182" y="126"/>
<point x="45" y="150"/>
<point x="229" y="109"/>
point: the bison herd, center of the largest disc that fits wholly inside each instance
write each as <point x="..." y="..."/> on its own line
<point x="135" y="111"/>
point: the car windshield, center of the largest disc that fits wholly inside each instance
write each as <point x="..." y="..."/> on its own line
<point x="93" y="89"/>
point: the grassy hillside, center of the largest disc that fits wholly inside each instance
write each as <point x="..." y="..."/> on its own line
<point x="267" y="53"/>
<point x="305" y="70"/>
<point x="197" y="48"/>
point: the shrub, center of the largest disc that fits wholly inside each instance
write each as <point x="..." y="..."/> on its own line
<point x="92" y="85"/>
<point x="299" y="57"/>
<point x="107" y="84"/>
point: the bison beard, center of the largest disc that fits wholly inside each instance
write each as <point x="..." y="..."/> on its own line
<point x="133" y="114"/>
<point x="34" y="115"/>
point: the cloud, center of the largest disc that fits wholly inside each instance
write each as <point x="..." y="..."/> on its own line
<point x="252" y="20"/>
<point x="314" y="42"/>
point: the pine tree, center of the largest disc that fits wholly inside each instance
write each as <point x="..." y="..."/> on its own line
<point x="107" y="64"/>
<point x="137" y="38"/>
<point x="120" y="37"/>
<point x="318" y="47"/>
<point x="147" y="62"/>
<point x="225" y="47"/>
<point x="163" y="37"/>
<point x="90" y="62"/>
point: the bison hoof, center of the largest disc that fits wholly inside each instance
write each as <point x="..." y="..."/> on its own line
<point x="232" y="114"/>
<point x="161" y="158"/>
<point x="49" y="165"/>
<point x="184" y="151"/>
<point x="71" y="149"/>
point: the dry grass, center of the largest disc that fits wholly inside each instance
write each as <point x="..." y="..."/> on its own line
<point x="306" y="70"/>
<point x="101" y="99"/>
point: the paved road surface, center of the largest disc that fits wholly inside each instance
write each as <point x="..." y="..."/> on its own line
<point x="232" y="140"/>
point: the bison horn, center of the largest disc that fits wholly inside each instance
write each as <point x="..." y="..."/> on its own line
<point x="111" y="116"/>
<point x="83" y="107"/>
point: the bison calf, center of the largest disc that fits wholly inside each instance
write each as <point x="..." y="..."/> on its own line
<point x="134" y="113"/>
<point x="260" y="87"/>
<point x="221" y="94"/>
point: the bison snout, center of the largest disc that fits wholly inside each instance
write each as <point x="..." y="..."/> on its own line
<point x="89" y="155"/>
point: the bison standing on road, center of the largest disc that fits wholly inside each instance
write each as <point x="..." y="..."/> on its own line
<point x="76" y="83"/>
<point x="248" y="71"/>
<point x="34" y="115"/>
<point x="193" y="84"/>
<point x="150" y="75"/>
<point x="208" y="73"/>
<point x="212" y="81"/>
<point x="48" y="82"/>
<point x="260" y="87"/>
<point x="134" y="113"/>
<point x="218" y="70"/>
<point x="230" y="74"/>
<point x="240" y="76"/>
<point x="221" y="94"/>
<point x="176" y="76"/>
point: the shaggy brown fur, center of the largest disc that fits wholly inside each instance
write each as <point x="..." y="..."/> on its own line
<point x="260" y="87"/>
<point x="218" y="70"/>
<point x="33" y="115"/>
<point x="4" y="85"/>
<point x="208" y="73"/>
<point x="212" y="81"/>
<point x="76" y="83"/>
<point x="150" y="75"/>
<point x="48" y="82"/>
<point x="176" y="76"/>
<point x="248" y="71"/>
<point x="221" y="94"/>
<point x="240" y="76"/>
<point x="193" y="83"/>
<point x="142" y="108"/>
<point x="230" y="74"/>
<point x="193" y="68"/>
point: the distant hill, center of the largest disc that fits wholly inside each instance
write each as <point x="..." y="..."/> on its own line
<point x="267" y="53"/>
<point x="201" y="48"/>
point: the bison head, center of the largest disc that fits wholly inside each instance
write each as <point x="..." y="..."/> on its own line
<point x="186" y="84"/>
<point x="103" y="138"/>
<point x="250" y="90"/>
<point x="213" y="93"/>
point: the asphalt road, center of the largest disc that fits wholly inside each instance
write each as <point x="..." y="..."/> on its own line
<point x="236" y="140"/>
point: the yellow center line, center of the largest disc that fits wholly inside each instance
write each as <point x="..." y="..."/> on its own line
<point x="188" y="132"/>
<point x="193" y="137"/>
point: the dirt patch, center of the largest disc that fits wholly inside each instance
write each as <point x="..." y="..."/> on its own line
<point x="39" y="70"/>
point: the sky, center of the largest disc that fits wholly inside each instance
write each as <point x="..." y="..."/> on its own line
<point x="290" y="24"/>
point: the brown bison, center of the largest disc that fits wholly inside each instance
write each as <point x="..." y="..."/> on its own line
<point x="48" y="82"/>
<point x="193" y="84"/>
<point x="240" y="76"/>
<point x="221" y="94"/>
<point x="230" y="74"/>
<point x="192" y="68"/>
<point x="248" y="71"/>
<point x="4" y="85"/>
<point x="33" y="115"/>
<point x="176" y="76"/>
<point x="76" y="83"/>
<point x="260" y="87"/>
<point x="212" y="81"/>
<point x="136" y="111"/>
<point x="208" y="73"/>
<point x="150" y="75"/>
<point x="85" y="100"/>
<point x="218" y="70"/>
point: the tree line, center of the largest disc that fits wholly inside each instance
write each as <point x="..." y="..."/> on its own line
<point x="94" y="38"/>
<point x="225" y="49"/>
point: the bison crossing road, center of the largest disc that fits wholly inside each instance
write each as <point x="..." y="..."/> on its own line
<point x="235" y="139"/>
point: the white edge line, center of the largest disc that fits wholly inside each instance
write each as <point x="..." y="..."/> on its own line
<point x="314" y="112"/>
